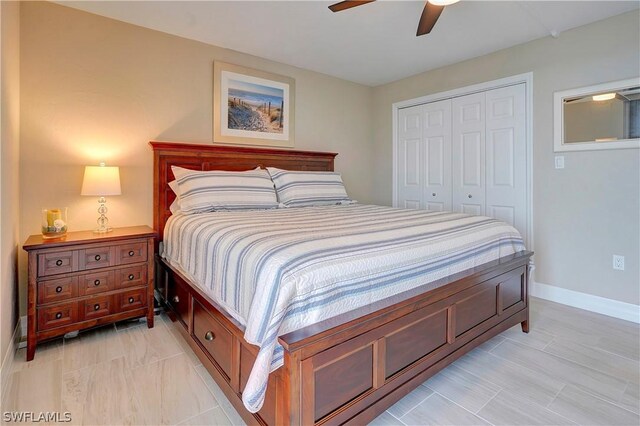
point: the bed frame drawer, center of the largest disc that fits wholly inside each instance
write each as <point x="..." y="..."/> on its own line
<point x="213" y="336"/>
<point x="179" y="298"/>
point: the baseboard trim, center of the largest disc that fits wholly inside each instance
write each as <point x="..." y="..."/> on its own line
<point x="588" y="302"/>
<point x="23" y="332"/>
<point x="7" y="362"/>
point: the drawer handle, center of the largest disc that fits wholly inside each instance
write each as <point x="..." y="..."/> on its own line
<point x="209" y="336"/>
<point x="131" y="253"/>
<point x="433" y="194"/>
<point x="59" y="262"/>
<point x="131" y="300"/>
<point x="96" y="282"/>
<point x="470" y="196"/>
<point x="96" y="306"/>
<point x="58" y="289"/>
<point x="176" y="299"/>
<point x="131" y="277"/>
<point x="59" y="315"/>
<point x="97" y="257"/>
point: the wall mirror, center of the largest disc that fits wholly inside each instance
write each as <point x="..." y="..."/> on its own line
<point x="603" y="116"/>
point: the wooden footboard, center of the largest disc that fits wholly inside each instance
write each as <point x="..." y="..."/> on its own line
<point x="351" y="368"/>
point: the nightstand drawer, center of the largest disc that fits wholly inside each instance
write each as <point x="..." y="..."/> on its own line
<point x="131" y="253"/>
<point x="59" y="262"/>
<point x="96" y="282"/>
<point x="133" y="299"/>
<point x="57" y="290"/>
<point x="96" y="257"/>
<point x="133" y="276"/>
<point x="57" y="316"/>
<point x="97" y="307"/>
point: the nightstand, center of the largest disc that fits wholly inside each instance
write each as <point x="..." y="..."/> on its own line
<point x="86" y="280"/>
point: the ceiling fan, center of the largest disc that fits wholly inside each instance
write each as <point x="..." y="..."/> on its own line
<point x="430" y="13"/>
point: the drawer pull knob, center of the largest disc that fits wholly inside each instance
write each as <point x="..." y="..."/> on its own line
<point x="59" y="315"/>
<point x="96" y="306"/>
<point x="176" y="299"/>
<point x="433" y="194"/>
<point x="131" y="253"/>
<point x="59" y="262"/>
<point x="470" y="196"/>
<point x="131" y="277"/>
<point x="97" y="257"/>
<point x="209" y="336"/>
<point x="96" y="282"/>
<point x="131" y="300"/>
<point x="58" y="289"/>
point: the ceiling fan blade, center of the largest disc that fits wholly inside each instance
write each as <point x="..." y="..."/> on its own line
<point x="337" y="7"/>
<point x="430" y="15"/>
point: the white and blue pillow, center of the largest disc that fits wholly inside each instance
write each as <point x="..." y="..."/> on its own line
<point x="301" y="188"/>
<point x="202" y="191"/>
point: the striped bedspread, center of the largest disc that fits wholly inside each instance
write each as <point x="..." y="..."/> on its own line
<point x="279" y="270"/>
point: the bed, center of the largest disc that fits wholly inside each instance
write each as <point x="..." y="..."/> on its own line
<point x="344" y="368"/>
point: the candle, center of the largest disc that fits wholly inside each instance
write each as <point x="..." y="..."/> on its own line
<point x="52" y="216"/>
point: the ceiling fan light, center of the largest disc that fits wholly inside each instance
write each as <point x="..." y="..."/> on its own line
<point x="603" y="97"/>
<point x="443" y="2"/>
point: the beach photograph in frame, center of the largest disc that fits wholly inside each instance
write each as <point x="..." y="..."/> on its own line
<point x="252" y="107"/>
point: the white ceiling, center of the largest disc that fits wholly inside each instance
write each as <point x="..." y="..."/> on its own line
<point x="372" y="44"/>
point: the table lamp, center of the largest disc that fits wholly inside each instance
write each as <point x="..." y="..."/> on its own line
<point x="101" y="181"/>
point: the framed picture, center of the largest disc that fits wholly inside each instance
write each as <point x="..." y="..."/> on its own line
<point x="252" y="107"/>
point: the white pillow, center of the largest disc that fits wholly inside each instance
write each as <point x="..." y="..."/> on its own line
<point x="175" y="206"/>
<point x="222" y="190"/>
<point x="299" y="188"/>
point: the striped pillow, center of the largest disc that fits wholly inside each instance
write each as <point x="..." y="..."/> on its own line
<point x="297" y="189"/>
<point x="221" y="190"/>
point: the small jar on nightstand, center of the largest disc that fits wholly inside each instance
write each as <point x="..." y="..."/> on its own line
<point x="88" y="280"/>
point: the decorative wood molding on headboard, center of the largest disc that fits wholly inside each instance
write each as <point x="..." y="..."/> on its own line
<point x="215" y="157"/>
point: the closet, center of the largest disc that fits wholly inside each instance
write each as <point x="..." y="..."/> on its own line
<point x="465" y="154"/>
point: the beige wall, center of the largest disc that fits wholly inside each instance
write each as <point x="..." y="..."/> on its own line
<point x="95" y="88"/>
<point x="590" y="210"/>
<point x="9" y="162"/>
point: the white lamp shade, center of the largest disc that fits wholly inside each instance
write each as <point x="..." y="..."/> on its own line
<point x="101" y="180"/>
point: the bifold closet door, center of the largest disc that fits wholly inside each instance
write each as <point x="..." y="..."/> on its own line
<point x="468" y="151"/>
<point x="436" y="136"/>
<point x="506" y="153"/>
<point x="424" y="156"/>
<point x="410" y="165"/>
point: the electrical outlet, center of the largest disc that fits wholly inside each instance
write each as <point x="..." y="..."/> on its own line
<point x="618" y="262"/>
<point x="559" y="161"/>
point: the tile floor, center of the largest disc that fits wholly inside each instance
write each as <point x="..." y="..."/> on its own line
<point x="575" y="367"/>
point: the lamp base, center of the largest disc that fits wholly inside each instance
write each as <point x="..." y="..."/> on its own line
<point x="102" y="230"/>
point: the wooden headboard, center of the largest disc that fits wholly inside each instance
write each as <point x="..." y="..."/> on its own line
<point x="214" y="157"/>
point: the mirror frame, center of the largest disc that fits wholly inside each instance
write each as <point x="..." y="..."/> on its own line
<point x="558" y="118"/>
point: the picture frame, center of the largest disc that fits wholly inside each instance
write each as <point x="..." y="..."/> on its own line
<point x="252" y="107"/>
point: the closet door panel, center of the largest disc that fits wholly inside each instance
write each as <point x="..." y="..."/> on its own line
<point x="468" y="153"/>
<point x="437" y="145"/>
<point x="506" y="155"/>
<point x="410" y="168"/>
